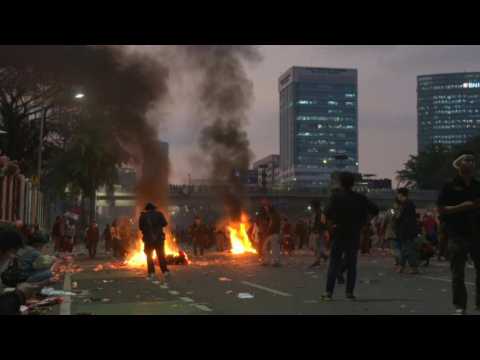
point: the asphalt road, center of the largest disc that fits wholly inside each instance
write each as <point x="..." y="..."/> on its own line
<point x="213" y="284"/>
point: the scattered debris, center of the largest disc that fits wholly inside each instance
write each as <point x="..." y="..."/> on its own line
<point x="224" y="279"/>
<point x="189" y="292"/>
<point x="173" y="292"/>
<point x="97" y="268"/>
<point x="53" y="292"/>
<point x="229" y="292"/>
<point x="107" y="281"/>
<point x="106" y="300"/>
<point x="245" y="296"/>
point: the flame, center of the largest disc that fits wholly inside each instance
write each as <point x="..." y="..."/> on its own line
<point x="138" y="258"/>
<point x="239" y="240"/>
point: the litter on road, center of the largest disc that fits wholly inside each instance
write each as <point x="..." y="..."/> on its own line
<point x="224" y="279"/>
<point x="53" y="292"/>
<point x="245" y="296"/>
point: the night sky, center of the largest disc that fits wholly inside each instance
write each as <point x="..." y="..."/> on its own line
<point x="387" y="99"/>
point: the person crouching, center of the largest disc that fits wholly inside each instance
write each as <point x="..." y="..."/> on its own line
<point x="35" y="266"/>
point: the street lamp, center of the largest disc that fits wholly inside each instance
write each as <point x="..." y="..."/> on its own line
<point x="79" y="95"/>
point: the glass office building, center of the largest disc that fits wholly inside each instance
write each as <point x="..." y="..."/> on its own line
<point x="448" y="109"/>
<point x="318" y="124"/>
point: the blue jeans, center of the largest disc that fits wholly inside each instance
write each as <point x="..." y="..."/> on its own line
<point x="408" y="252"/>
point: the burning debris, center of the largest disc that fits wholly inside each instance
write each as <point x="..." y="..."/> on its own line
<point x="173" y="254"/>
<point x="239" y="239"/>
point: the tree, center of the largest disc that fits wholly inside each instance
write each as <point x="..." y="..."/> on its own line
<point x="427" y="170"/>
<point x="90" y="160"/>
<point x="431" y="168"/>
<point x="26" y="100"/>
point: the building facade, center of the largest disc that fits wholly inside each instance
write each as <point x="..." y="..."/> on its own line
<point x="318" y="123"/>
<point x="448" y="109"/>
<point x="268" y="170"/>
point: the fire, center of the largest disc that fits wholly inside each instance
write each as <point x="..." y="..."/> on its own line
<point x="239" y="240"/>
<point x="137" y="257"/>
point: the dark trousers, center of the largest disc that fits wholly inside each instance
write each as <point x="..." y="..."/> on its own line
<point x="160" y="251"/>
<point x="343" y="269"/>
<point x="459" y="248"/>
<point x="198" y="246"/>
<point x="348" y="249"/>
<point x="261" y="241"/>
<point x="408" y="252"/>
<point x="92" y="249"/>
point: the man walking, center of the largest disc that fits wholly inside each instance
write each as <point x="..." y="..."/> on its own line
<point x="151" y="223"/>
<point x="407" y="231"/>
<point x="347" y="211"/>
<point x="459" y="208"/>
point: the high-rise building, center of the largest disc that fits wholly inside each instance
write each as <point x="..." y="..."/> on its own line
<point x="448" y="108"/>
<point x="318" y="124"/>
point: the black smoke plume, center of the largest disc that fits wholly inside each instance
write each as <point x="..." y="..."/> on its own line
<point x="127" y="86"/>
<point x="225" y="95"/>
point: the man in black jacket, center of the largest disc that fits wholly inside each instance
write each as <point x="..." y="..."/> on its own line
<point x="347" y="212"/>
<point x="407" y="231"/>
<point x="459" y="208"/>
<point x="151" y="223"/>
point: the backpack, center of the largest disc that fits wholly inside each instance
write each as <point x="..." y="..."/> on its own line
<point x="13" y="275"/>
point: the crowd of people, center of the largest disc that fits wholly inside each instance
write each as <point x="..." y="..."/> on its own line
<point x="349" y="224"/>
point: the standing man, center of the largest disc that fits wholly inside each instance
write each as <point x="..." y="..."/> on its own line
<point x="151" y="223"/>
<point x="407" y="231"/>
<point x="93" y="236"/>
<point x="347" y="211"/>
<point x="199" y="233"/>
<point x="272" y="241"/>
<point x="459" y="206"/>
